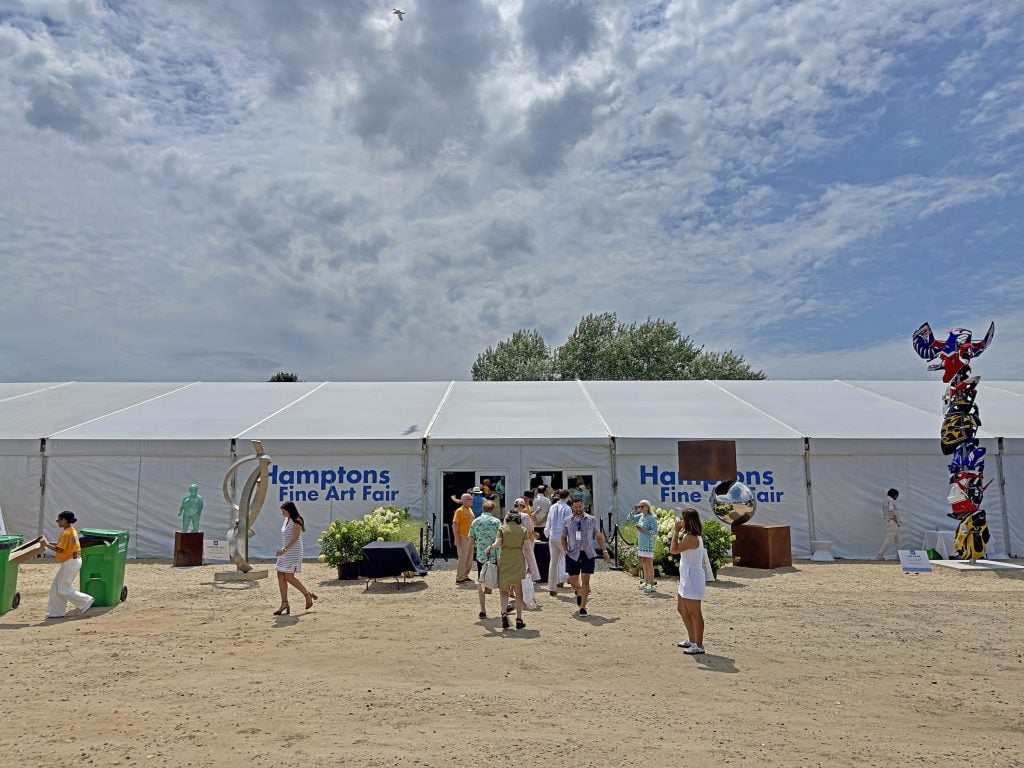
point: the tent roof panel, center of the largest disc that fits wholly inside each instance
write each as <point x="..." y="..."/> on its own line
<point x="517" y="410"/>
<point x="202" y="411"/>
<point x="57" y="408"/>
<point x="357" y="411"/>
<point x="835" y="409"/>
<point x="679" y="410"/>
<point x="1001" y="408"/>
<point x="9" y="391"/>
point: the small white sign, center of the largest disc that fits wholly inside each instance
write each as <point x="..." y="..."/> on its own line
<point x="915" y="561"/>
<point x="215" y="551"/>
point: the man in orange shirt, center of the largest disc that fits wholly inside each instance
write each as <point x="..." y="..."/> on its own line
<point x="461" y="520"/>
<point x="69" y="555"/>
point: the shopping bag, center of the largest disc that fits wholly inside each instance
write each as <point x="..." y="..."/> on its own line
<point x="527" y="587"/>
<point x="489" y="575"/>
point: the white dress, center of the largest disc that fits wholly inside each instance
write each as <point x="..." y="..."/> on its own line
<point x="291" y="560"/>
<point x="691" y="572"/>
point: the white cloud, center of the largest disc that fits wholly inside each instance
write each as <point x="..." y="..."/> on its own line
<point x="203" y="190"/>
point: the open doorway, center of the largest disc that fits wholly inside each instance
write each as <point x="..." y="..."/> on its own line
<point x="453" y="485"/>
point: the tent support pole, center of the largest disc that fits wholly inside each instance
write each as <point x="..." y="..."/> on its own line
<point x="807" y="488"/>
<point x="1007" y="539"/>
<point x="42" y="485"/>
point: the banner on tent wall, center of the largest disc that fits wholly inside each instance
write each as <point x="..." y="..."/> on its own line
<point x="777" y="480"/>
<point x="359" y="481"/>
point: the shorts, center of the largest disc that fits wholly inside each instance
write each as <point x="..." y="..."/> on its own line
<point x="583" y="565"/>
<point x="645" y="554"/>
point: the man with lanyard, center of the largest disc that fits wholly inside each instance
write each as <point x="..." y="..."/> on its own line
<point x="580" y="539"/>
<point x="553" y="529"/>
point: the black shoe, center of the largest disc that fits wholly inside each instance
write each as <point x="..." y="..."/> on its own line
<point x="504" y="621"/>
<point x="552" y="593"/>
<point x="583" y="611"/>
<point x="520" y="624"/>
<point x="483" y="614"/>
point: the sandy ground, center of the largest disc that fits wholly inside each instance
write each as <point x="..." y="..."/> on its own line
<point x="820" y="664"/>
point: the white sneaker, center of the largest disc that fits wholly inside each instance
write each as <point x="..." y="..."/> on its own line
<point x="694" y="650"/>
<point x="684" y="644"/>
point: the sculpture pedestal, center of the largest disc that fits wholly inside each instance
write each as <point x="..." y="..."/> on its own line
<point x="188" y="548"/>
<point x="762" y="546"/>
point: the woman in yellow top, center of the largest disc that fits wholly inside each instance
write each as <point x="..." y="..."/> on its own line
<point x="69" y="555"/>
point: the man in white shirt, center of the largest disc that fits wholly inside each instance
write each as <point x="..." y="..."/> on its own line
<point x="541" y="506"/>
<point x="891" y="516"/>
<point x="559" y="513"/>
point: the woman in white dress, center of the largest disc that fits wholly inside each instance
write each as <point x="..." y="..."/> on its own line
<point x="690" y="549"/>
<point x="289" y="557"/>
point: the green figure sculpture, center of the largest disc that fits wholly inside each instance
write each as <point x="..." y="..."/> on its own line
<point x="191" y="508"/>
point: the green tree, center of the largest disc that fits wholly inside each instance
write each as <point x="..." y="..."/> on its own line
<point x="522" y="357"/>
<point x="284" y="376"/>
<point x="602" y="348"/>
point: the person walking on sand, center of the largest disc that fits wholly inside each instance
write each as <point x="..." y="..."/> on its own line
<point x="511" y="566"/>
<point x="891" y="518"/>
<point x="580" y="539"/>
<point x="289" y="558"/>
<point x="68" y="552"/>
<point x="482" y="534"/>
<point x="558" y="514"/>
<point x="461" y="521"/>
<point x="690" y="549"/>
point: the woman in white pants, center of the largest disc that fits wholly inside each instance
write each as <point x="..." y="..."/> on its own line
<point x="69" y="555"/>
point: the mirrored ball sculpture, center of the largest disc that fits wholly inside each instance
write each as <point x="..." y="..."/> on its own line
<point x="733" y="502"/>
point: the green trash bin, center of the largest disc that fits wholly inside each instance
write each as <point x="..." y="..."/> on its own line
<point x="104" y="556"/>
<point x="9" y="596"/>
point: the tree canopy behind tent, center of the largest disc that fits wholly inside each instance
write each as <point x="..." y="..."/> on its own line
<point x="284" y="376"/>
<point x="602" y="348"/>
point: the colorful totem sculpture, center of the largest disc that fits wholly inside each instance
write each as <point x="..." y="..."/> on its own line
<point x="960" y="423"/>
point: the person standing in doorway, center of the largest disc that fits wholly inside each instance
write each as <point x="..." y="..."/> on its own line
<point x="541" y="507"/>
<point x="891" y="518"/>
<point x="461" y="521"/>
<point x="560" y="512"/>
<point x="580" y="539"/>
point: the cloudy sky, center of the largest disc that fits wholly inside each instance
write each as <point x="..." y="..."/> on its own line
<point x="218" y="190"/>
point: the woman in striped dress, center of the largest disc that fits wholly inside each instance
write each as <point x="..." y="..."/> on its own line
<point x="289" y="557"/>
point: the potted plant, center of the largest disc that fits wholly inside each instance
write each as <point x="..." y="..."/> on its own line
<point x="341" y="545"/>
<point x="718" y="541"/>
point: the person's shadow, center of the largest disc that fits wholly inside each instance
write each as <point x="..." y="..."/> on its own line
<point x="709" y="662"/>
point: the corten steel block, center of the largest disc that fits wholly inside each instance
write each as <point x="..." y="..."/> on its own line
<point x="188" y="548"/>
<point x="707" y="460"/>
<point x="762" y="546"/>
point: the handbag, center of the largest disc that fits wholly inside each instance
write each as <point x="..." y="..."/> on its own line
<point x="489" y="575"/>
<point x="527" y="587"/>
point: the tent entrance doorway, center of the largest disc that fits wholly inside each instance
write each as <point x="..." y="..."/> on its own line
<point x="574" y="480"/>
<point x="453" y="485"/>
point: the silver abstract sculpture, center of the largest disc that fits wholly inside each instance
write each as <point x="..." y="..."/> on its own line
<point x="249" y="505"/>
<point x="733" y="502"/>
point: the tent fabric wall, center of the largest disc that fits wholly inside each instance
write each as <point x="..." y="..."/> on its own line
<point x="123" y="454"/>
<point x="849" y="479"/>
<point x="19" y="493"/>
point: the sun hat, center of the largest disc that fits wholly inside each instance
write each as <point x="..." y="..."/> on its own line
<point x="476" y="490"/>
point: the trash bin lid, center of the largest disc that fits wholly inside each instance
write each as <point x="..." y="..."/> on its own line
<point x="11" y="542"/>
<point x="93" y="537"/>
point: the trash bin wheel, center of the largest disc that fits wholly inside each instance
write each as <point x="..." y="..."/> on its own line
<point x="17" y="600"/>
<point x="124" y="594"/>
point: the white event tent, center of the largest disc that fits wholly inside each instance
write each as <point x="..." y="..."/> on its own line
<point x="819" y="454"/>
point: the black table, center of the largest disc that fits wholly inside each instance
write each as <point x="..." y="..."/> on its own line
<point x="383" y="559"/>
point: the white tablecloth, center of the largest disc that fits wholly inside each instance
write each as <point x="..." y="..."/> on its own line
<point x="940" y="541"/>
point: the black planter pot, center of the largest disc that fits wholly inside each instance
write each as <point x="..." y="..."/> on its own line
<point x="349" y="571"/>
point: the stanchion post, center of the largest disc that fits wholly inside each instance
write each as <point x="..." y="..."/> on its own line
<point x="615" y="545"/>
